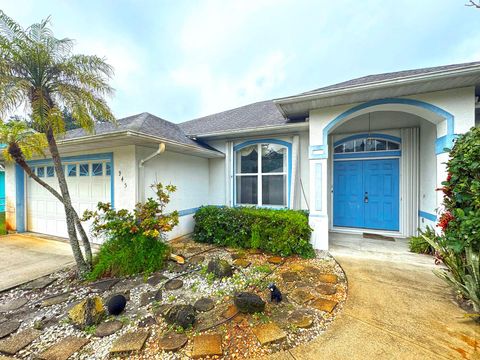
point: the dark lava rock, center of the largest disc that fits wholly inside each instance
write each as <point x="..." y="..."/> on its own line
<point x="181" y="315"/>
<point x="173" y="284"/>
<point x="116" y="304"/>
<point x="249" y="303"/>
<point x="220" y="268"/>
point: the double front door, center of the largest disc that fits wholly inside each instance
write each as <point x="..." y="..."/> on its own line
<point x="366" y="194"/>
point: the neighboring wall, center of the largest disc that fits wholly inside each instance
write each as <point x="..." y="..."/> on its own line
<point x="190" y="174"/>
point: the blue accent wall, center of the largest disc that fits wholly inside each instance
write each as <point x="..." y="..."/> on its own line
<point x="20" y="198"/>
<point x="265" y="141"/>
<point x="428" y="216"/>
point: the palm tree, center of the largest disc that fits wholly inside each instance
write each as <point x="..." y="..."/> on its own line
<point x="23" y="143"/>
<point x="41" y="71"/>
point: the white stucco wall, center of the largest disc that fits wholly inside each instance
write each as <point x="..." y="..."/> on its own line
<point x="427" y="171"/>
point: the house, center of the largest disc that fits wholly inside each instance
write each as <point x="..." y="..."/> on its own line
<point x="365" y="155"/>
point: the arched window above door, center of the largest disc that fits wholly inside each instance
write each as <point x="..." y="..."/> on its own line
<point x="367" y="144"/>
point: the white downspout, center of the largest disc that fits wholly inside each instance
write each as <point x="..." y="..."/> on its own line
<point x="141" y="175"/>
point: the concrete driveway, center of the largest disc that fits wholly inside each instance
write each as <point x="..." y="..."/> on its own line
<point x="396" y="309"/>
<point x="25" y="257"/>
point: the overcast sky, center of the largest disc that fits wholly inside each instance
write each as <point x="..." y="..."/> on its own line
<point x="184" y="59"/>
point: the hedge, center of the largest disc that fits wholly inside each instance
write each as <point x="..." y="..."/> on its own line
<point x="281" y="232"/>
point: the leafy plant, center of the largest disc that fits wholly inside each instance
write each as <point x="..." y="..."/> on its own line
<point x="134" y="239"/>
<point x="419" y="245"/>
<point x="282" y="232"/>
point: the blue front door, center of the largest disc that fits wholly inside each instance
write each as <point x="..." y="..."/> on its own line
<point x="366" y="194"/>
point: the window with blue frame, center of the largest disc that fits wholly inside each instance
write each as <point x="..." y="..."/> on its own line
<point x="41" y="172"/>
<point x="261" y="175"/>
<point x="108" y="169"/>
<point x="50" y="171"/>
<point x="367" y="144"/>
<point x="34" y="169"/>
<point x="97" y="169"/>
<point x="71" y="170"/>
<point x="84" y="169"/>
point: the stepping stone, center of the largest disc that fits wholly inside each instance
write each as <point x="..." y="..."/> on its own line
<point x="8" y="327"/>
<point x="194" y="249"/>
<point x="267" y="333"/>
<point x="207" y="345"/>
<point x="64" y="348"/>
<point x="276" y="260"/>
<point x="108" y="328"/>
<point x="324" y="304"/>
<point x="254" y="251"/>
<point x="241" y="263"/>
<point x="300" y="319"/>
<point x="13" y="305"/>
<point x="6" y="358"/>
<point x="311" y="270"/>
<point x="173" y="284"/>
<point x="196" y="260"/>
<point x="18" y="341"/>
<point x="55" y="300"/>
<point x="156" y="279"/>
<point x="148" y="321"/>
<point x="150" y="296"/>
<point x="162" y="309"/>
<point x="326" y="289"/>
<point x="301" y="296"/>
<point x="104" y="285"/>
<point x="328" y="278"/>
<point x="236" y="256"/>
<point x="297" y="267"/>
<point x="39" y="283"/>
<point x="204" y="304"/>
<point x="231" y="311"/>
<point x="290" y="276"/>
<point x="172" y="341"/>
<point x="131" y="341"/>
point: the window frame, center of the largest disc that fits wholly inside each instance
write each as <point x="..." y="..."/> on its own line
<point x="343" y="144"/>
<point x="260" y="174"/>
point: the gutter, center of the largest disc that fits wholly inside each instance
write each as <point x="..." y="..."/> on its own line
<point x="296" y="126"/>
<point x="375" y="85"/>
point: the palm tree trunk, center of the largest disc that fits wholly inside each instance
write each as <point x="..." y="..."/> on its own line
<point x="85" y="242"/>
<point x="67" y="202"/>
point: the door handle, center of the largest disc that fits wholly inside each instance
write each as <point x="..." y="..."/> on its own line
<point x="365" y="199"/>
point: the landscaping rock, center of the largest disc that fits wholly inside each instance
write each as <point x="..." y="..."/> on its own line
<point x="241" y="263"/>
<point x="148" y="321"/>
<point x="8" y="327"/>
<point x="181" y="315"/>
<point x="173" y="284"/>
<point x="87" y="313"/>
<point x="231" y="311"/>
<point x="249" y="302"/>
<point x="207" y="345"/>
<point x="311" y="270"/>
<point x="236" y="256"/>
<point x="13" y="305"/>
<point x="44" y="322"/>
<point x="156" y="279"/>
<point x="131" y="341"/>
<point x="254" y="251"/>
<point x="172" y="341"/>
<point x="326" y="289"/>
<point x="17" y="342"/>
<point x="220" y="268"/>
<point x="204" y="304"/>
<point x="300" y="319"/>
<point x="104" y="285"/>
<point x="290" y="276"/>
<point x="328" y="278"/>
<point x="39" y="283"/>
<point x="301" y="296"/>
<point x="197" y="259"/>
<point x="150" y="296"/>
<point x="55" y="299"/>
<point x="64" y="348"/>
<point x="297" y="267"/>
<point x="267" y="333"/>
<point x="108" y="328"/>
<point x="116" y="304"/>
<point x="324" y="304"/>
<point x="276" y="260"/>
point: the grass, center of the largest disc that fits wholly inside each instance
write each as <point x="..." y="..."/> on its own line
<point x="3" y="228"/>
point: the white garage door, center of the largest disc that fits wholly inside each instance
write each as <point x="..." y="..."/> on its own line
<point x="88" y="183"/>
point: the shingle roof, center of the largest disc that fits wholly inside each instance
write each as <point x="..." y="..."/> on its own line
<point x="364" y="80"/>
<point x="145" y="123"/>
<point x="259" y="114"/>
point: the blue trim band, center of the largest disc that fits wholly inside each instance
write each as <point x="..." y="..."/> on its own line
<point x="444" y="142"/>
<point x="186" y="212"/>
<point x="374" y="135"/>
<point x="20" y="199"/>
<point x="428" y="216"/>
<point x="449" y="118"/>
<point x="373" y="154"/>
<point x="265" y="141"/>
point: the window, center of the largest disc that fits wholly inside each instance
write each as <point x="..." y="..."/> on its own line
<point x="84" y="169"/>
<point x="261" y="175"/>
<point x="41" y="172"/>
<point x="108" y="169"/>
<point x="50" y="171"/>
<point x="33" y="169"/>
<point x="97" y="169"/>
<point x="71" y="170"/>
<point x="366" y="145"/>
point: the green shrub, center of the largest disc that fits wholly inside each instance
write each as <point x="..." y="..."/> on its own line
<point x="282" y="232"/>
<point x="134" y="240"/>
<point x="419" y="245"/>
